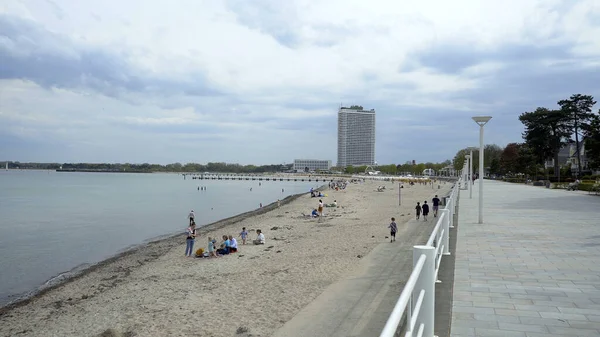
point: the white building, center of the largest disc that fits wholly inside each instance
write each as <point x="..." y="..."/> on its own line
<point x="428" y="172"/>
<point x="356" y="136"/>
<point x="311" y="164"/>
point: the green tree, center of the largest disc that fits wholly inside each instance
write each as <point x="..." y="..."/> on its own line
<point x="592" y="142"/>
<point x="546" y="132"/>
<point x="579" y="109"/>
<point x="527" y="161"/>
<point x="509" y="160"/>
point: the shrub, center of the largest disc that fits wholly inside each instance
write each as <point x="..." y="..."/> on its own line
<point x="515" y="180"/>
<point x="562" y="179"/>
<point x="586" y="187"/>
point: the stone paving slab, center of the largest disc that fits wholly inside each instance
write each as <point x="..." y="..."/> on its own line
<point x="532" y="268"/>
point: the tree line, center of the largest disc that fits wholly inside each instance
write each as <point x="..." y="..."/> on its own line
<point x="146" y="167"/>
<point x="396" y="169"/>
<point x="546" y="132"/>
<point x="391" y="169"/>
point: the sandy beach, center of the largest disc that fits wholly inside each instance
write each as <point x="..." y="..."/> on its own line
<point x="156" y="291"/>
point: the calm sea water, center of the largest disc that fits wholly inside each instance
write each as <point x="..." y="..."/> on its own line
<point x="52" y="222"/>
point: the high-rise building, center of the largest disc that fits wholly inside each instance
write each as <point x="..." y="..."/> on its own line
<point x="356" y="136"/>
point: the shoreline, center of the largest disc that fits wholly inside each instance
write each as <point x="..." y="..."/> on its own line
<point x="28" y="297"/>
<point x="155" y="291"/>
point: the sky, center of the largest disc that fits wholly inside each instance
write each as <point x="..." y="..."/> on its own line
<point x="260" y="82"/>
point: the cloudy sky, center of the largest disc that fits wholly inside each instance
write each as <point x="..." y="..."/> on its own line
<point x="260" y="81"/>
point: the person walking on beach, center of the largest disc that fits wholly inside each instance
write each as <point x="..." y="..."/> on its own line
<point x="425" y="210"/>
<point x="244" y="235"/>
<point x="393" y="229"/>
<point x="436" y="205"/>
<point x="320" y="209"/>
<point x="418" y="210"/>
<point x="191" y="236"/>
<point x="191" y="216"/>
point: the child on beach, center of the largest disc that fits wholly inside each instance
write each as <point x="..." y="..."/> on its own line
<point x="211" y="248"/>
<point x="418" y="210"/>
<point x="425" y="210"/>
<point x="244" y="235"/>
<point x="393" y="229"/>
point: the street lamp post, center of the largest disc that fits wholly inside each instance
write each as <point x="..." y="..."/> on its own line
<point x="481" y="121"/>
<point x="469" y="172"/>
<point x="471" y="182"/>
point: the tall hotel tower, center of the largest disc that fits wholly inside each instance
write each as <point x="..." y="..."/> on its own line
<point x="356" y="136"/>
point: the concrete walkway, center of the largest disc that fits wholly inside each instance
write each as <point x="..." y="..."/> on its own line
<point x="360" y="304"/>
<point x="532" y="269"/>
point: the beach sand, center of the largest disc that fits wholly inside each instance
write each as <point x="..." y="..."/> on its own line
<point x="156" y="291"/>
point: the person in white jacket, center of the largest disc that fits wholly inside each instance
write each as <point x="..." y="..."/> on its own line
<point x="260" y="239"/>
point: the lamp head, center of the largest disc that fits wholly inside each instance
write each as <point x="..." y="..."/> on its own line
<point x="481" y="120"/>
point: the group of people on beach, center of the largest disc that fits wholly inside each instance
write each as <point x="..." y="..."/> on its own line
<point x="425" y="208"/>
<point x="227" y="246"/>
<point x="419" y="209"/>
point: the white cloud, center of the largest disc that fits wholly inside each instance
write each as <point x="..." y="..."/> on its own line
<point x="265" y="70"/>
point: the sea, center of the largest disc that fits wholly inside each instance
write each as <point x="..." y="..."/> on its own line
<point x="54" y="224"/>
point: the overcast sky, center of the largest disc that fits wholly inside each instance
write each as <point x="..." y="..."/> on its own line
<point x="260" y="81"/>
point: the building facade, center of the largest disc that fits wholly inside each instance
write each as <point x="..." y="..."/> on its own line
<point x="356" y="137"/>
<point x="301" y="165"/>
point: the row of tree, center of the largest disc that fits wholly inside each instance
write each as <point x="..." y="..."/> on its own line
<point x="547" y="131"/>
<point x="392" y="169"/>
<point x="397" y="169"/>
<point x="145" y="167"/>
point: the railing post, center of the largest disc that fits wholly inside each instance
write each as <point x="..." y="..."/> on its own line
<point x="451" y="211"/>
<point x="426" y="281"/>
<point x="446" y="227"/>
<point x="456" y="202"/>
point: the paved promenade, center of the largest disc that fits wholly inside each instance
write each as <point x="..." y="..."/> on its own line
<point x="532" y="269"/>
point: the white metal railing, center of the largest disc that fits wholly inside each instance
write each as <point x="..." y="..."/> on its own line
<point x="417" y="299"/>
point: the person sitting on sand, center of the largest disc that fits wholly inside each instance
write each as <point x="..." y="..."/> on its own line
<point x="224" y="250"/>
<point x="260" y="239"/>
<point x="314" y="213"/>
<point x="233" y="244"/>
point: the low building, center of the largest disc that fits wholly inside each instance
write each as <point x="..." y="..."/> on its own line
<point x="303" y="165"/>
<point x="448" y="171"/>
<point x="428" y="172"/>
<point x="567" y="156"/>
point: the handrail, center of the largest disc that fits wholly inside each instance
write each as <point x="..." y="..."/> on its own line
<point x="435" y="230"/>
<point x="421" y="282"/>
<point x="398" y="312"/>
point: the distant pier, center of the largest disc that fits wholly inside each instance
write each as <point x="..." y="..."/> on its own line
<point x="257" y="178"/>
